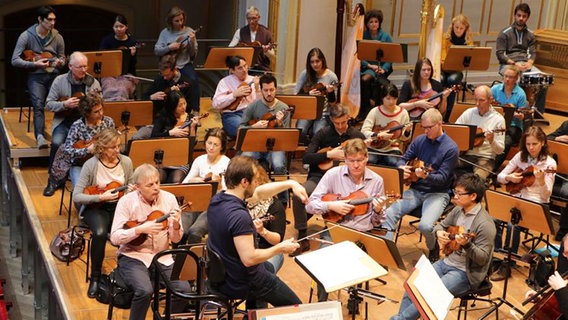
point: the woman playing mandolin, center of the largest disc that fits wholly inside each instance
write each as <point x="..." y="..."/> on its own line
<point x="536" y="185"/>
<point x="106" y="168"/>
<point x="415" y="93"/>
<point x="380" y="124"/>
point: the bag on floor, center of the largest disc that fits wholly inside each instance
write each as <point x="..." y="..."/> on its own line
<point x="541" y="268"/>
<point x="63" y="247"/>
<point x="112" y="286"/>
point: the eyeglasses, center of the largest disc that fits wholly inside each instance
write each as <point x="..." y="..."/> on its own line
<point x="252" y="18"/>
<point x="458" y="194"/>
<point x="428" y="127"/>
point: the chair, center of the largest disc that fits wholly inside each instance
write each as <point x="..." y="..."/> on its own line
<point x="475" y="295"/>
<point x="194" y="265"/>
<point x="62" y="202"/>
<point x="84" y="229"/>
<point x="29" y="115"/>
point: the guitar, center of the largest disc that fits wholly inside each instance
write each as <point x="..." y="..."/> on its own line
<point x="418" y="111"/>
<point x="30" y="55"/>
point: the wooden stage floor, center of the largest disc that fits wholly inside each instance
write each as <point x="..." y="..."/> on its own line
<point x="72" y="278"/>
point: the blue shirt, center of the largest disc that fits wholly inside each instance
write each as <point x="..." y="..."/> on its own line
<point x="441" y="153"/>
<point x="518" y="98"/>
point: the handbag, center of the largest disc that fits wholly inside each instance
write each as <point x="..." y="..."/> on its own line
<point x="111" y="286"/>
<point x="64" y="248"/>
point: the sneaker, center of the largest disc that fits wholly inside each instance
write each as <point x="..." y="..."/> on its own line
<point x="500" y="274"/>
<point x="434" y="254"/>
<point x="41" y="142"/>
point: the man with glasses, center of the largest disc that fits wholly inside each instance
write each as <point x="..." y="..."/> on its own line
<point x="343" y="181"/>
<point x="41" y="40"/>
<point x="466" y="267"/>
<point x="253" y="34"/>
<point x="63" y="99"/>
<point x="328" y="139"/>
<point x="433" y="180"/>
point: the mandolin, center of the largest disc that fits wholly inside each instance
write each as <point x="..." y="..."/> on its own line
<point x="393" y="127"/>
<point x="233" y="106"/>
<point x="271" y="45"/>
<point x="185" y="37"/>
<point x="188" y="122"/>
<point x="329" y="163"/>
<point x="417" y="112"/>
<point x="453" y="245"/>
<point x="156" y="216"/>
<point x="416" y="164"/>
<point x="527" y="180"/>
<point x="480" y="136"/>
<point x="30" y="55"/>
<point x="358" y="198"/>
<point x="115" y="186"/>
<point x="271" y="118"/>
<point x="321" y="87"/>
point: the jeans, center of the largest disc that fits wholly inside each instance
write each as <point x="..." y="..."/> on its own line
<point x="273" y="291"/>
<point x="385" y="160"/>
<point x="231" y="122"/>
<point x="448" y="80"/>
<point x="195" y="92"/>
<point x="560" y="189"/>
<point x="141" y="279"/>
<point x="276" y="261"/>
<point x="433" y="205"/>
<point x="276" y="159"/>
<point x="516" y="235"/>
<point x="196" y="229"/>
<point x="453" y="278"/>
<point x="301" y="217"/>
<point x="74" y="174"/>
<point x="310" y="128"/>
<point x="99" y="220"/>
<point x="38" y="88"/>
<point x="58" y="137"/>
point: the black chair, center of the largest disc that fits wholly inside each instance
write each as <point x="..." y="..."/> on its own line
<point x="199" y="297"/>
<point x="475" y="295"/>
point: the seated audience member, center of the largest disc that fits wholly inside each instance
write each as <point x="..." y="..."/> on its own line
<point x="234" y="93"/>
<point x="330" y="138"/>
<point x="232" y="233"/>
<point x="561" y="185"/>
<point x="377" y="124"/>
<point x="135" y="261"/>
<point x="105" y="171"/>
<point x="316" y="80"/>
<point x="344" y="180"/>
<point x="482" y="157"/>
<point x="428" y="165"/>
<point x="466" y="267"/>
<point x="533" y="156"/>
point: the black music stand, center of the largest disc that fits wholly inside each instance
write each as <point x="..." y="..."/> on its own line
<point x="106" y="63"/>
<point x="520" y="213"/>
<point x="218" y="55"/>
<point x="467" y="58"/>
<point x="306" y="107"/>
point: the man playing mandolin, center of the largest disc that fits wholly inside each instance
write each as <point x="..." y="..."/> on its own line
<point x="466" y="267"/>
<point x="343" y="181"/>
<point x="134" y="261"/>
<point x="46" y="55"/>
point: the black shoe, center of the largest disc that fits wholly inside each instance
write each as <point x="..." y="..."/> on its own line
<point x="500" y="274"/>
<point x="93" y="288"/>
<point x="434" y="254"/>
<point x="50" y="189"/>
<point x="304" y="246"/>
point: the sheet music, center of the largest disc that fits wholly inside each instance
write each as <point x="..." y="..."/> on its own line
<point x="329" y="310"/>
<point x="432" y="288"/>
<point x="330" y="265"/>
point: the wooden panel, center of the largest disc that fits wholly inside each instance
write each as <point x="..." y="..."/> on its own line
<point x="552" y="57"/>
<point x="176" y="151"/>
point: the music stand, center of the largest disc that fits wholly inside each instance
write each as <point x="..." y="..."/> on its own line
<point x="139" y="113"/>
<point x="305" y="107"/>
<point x="467" y="58"/>
<point x="373" y="50"/>
<point x="218" y="55"/>
<point x="106" y="63"/>
<point x="520" y="213"/>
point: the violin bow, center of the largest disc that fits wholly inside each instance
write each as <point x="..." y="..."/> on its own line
<point x="313" y="234"/>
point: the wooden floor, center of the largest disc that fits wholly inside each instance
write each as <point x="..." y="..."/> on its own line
<point x="73" y="276"/>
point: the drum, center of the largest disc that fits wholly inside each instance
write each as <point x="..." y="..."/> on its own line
<point x="536" y="79"/>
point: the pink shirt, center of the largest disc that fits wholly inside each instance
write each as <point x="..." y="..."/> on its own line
<point x="224" y="93"/>
<point x="132" y="207"/>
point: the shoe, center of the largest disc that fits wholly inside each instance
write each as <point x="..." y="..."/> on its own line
<point x="500" y="274"/>
<point x="434" y="254"/>
<point x="50" y="189"/>
<point x="41" y="142"/>
<point x="93" y="288"/>
<point x="304" y="246"/>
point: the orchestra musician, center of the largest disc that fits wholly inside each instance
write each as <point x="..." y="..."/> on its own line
<point x="179" y="40"/>
<point x="234" y="93"/>
<point x="106" y="168"/>
<point x="39" y="38"/>
<point x="415" y="92"/>
<point x="135" y="261"/>
<point x="516" y="45"/>
<point x="487" y="120"/>
<point x="509" y="93"/>
<point x="533" y="156"/>
<point x="386" y="116"/>
<point x="343" y="181"/>
<point x="328" y="141"/>
<point x="79" y="144"/>
<point x="467" y="267"/>
<point x="232" y="233"/>
<point x="374" y="75"/>
<point x="458" y="34"/>
<point x="63" y="99"/>
<point x="253" y="33"/>
<point x="561" y="185"/>
<point x="316" y="80"/>
<point x="430" y="182"/>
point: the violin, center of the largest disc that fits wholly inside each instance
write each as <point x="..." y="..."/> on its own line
<point x="393" y="127"/>
<point x="527" y="180"/>
<point x="271" y="118"/>
<point x="257" y="43"/>
<point x="233" y="106"/>
<point x="30" y="55"/>
<point x="435" y="98"/>
<point x="156" y="216"/>
<point x="190" y="121"/>
<point x="185" y="37"/>
<point x="266" y="217"/>
<point x="138" y="45"/>
<point x="321" y="87"/>
<point x="209" y="177"/>
<point x="416" y="164"/>
<point x="180" y="86"/>
<point x="358" y="198"/>
<point x="115" y="186"/>
<point x="329" y="163"/>
<point x="480" y="136"/>
<point x="453" y="245"/>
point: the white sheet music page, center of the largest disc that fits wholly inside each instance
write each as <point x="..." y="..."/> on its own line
<point x="341" y="265"/>
<point x="432" y="288"/>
